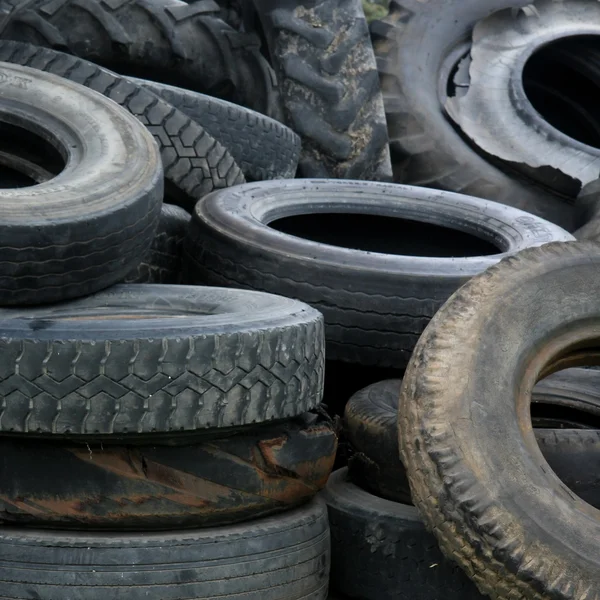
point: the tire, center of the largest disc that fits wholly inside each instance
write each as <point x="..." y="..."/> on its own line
<point x="375" y="305"/>
<point x="167" y="40"/>
<point x="371" y="430"/>
<point x="194" y="162"/>
<point x="494" y="511"/>
<point x="495" y="111"/>
<point x="213" y="482"/>
<point x="286" y="556"/>
<point x="380" y="550"/>
<point x="85" y="228"/>
<point x="261" y="146"/>
<point x="416" y="46"/>
<point x="324" y="60"/>
<point x="124" y="362"/>
<point x="163" y="262"/>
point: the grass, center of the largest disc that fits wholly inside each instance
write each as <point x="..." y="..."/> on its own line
<point x="374" y="11"/>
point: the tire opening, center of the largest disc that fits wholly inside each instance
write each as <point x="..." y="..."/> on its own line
<point x="384" y="234"/>
<point x="562" y="82"/>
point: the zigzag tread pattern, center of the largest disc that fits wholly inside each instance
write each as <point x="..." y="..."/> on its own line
<point x="161" y="384"/>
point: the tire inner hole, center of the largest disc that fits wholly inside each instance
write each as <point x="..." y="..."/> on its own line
<point x="384" y="234"/>
<point x="562" y="82"/>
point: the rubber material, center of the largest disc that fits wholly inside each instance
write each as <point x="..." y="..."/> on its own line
<point x="167" y="40"/>
<point x="286" y="556"/>
<point x="324" y="60"/>
<point x="375" y="305"/>
<point x="412" y="46"/>
<point x="194" y="162"/>
<point x="371" y="429"/>
<point x="481" y="482"/>
<point x="146" y="359"/>
<point x="85" y="228"/>
<point x="215" y="482"/>
<point x="262" y="147"/>
<point x="163" y="262"/>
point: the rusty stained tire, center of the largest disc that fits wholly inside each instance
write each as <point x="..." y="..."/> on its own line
<point x="214" y="482"/>
<point x="476" y="471"/>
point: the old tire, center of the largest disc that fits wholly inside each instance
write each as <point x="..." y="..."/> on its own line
<point x="213" y="482"/>
<point x="281" y="556"/>
<point x="262" y="147"/>
<point x="563" y="401"/>
<point x="85" y="228"/>
<point x="163" y="262"/>
<point x="481" y="482"/>
<point x="417" y="46"/>
<point x="166" y="40"/>
<point x="375" y="305"/>
<point x="124" y="361"/>
<point x="326" y="68"/>
<point x="194" y="162"/>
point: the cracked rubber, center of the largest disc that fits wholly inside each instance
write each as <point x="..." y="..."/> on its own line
<point x="164" y="40"/>
<point x="213" y="482"/>
<point x="262" y="147"/>
<point x="411" y="45"/>
<point x="163" y="262"/>
<point x="147" y="359"/>
<point x="93" y="215"/>
<point x="194" y="162"/>
<point x="324" y="60"/>
<point x="375" y="305"/>
<point x="476" y="471"/>
<point x="371" y="429"/>
<point x="284" y="556"/>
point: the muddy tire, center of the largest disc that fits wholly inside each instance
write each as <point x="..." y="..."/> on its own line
<point x="327" y="74"/>
<point x="166" y="40"/>
<point x="282" y="556"/>
<point x="262" y="147"/>
<point x="412" y="47"/>
<point x="376" y="299"/>
<point x="194" y="162"/>
<point x="94" y="212"/>
<point x="494" y="511"/>
<point x="163" y="262"/>
<point x="124" y="362"/>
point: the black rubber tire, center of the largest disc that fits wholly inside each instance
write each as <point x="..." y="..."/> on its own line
<point x="380" y="550"/>
<point x="261" y="146"/>
<point x="481" y="482"/>
<point x="285" y="556"/>
<point x="163" y="262"/>
<point x="324" y="60"/>
<point x="194" y="162"/>
<point x="213" y="482"/>
<point x="371" y="430"/>
<point x="167" y="40"/>
<point x="375" y="305"/>
<point x="494" y="111"/>
<point x="125" y="362"/>
<point x="83" y="230"/>
<point x="412" y="45"/>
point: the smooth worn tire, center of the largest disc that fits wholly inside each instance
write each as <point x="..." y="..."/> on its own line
<point x="194" y="162"/>
<point x="284" y="556"/>
<point x="262" y="147"/>
<point x="476" y="471"/>
<point x="88" y="226"/>
<point x="154" y="358"/>
<point x="413" y="45"/>
<point x="567" y="402"/>
<point x="220" y="481"/>
<point x="174" y="42"/>
<point x="324" y="61"/>
<point x="375" y="305"/>
<point x="163" y="262"/>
